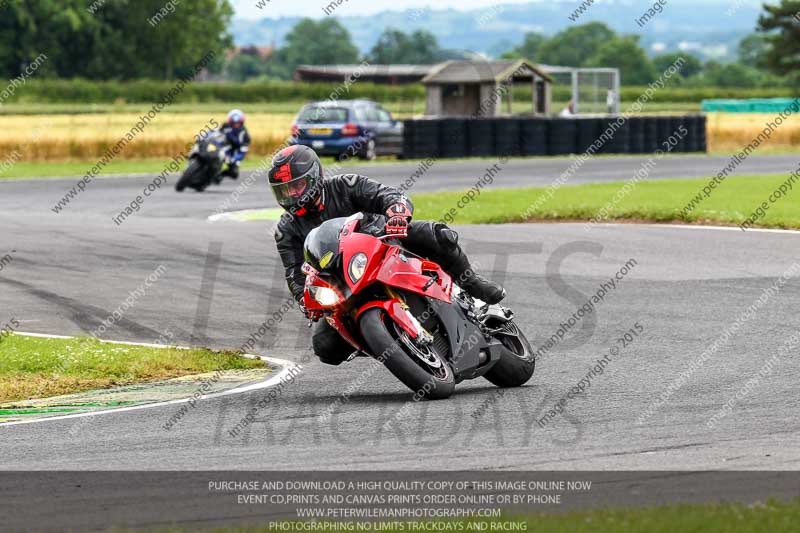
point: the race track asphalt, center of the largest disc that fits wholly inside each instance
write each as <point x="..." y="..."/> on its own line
<point x="221" y="280"/>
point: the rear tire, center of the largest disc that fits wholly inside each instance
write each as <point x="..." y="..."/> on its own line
<point x="517" y="362"/>
<point x="377" y="328"/>
<point x="190" y="176"/>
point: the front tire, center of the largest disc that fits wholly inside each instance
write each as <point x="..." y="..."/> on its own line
<point x="190" y="176"/>
<point x="429" y="375"/>
<point x="517" y="361"/>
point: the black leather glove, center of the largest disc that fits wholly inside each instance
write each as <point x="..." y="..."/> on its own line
<point x="399" y="215"/>
<point x="313" y="316"/>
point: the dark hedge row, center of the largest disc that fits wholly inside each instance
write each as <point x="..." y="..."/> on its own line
<point x="145" y="91"/>
<point x="83" y="91"/>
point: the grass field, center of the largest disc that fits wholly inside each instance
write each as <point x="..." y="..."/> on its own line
<point x="731" y="132"/>
<point x="85" y="137"/>
<point x="33" y="367"/>
<point x="83" y="132"/>
<point x="775" y="517"/>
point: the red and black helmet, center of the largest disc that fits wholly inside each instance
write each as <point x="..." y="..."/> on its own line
<point x="296" y="179"/>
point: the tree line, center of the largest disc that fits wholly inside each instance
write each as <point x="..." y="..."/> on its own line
<point x="596" y="45"/>
<point x="112" y="39"/>
<point x="770" y="57"/>
<point x="151" y="39"/>
<point x="761" y="58"/>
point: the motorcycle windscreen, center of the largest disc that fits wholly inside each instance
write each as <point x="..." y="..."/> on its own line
<point x="321" y="249"/>
<point x="211" y="137"/>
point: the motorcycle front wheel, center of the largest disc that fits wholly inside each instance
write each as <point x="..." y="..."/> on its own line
<point x="421" y="368"/>
<point x="191" y="176"/>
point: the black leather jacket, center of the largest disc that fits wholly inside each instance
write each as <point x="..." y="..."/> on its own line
<point x="342" y="196"/>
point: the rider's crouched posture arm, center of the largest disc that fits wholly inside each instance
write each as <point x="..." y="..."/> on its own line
<point x="309" y="198"/>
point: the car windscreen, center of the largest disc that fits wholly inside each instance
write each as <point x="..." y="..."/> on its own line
<point x="321" y="115"/>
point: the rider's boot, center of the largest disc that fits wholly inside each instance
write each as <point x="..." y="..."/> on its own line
<point x="231" y="171"/>
<point x="473" y="283"/>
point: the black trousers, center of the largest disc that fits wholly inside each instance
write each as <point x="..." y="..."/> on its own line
<point x="432" y="240"/>
<point x="231" y="170"/>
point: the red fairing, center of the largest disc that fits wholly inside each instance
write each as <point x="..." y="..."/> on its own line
<point x="354" y="243"/>
<point x="312" y="282"/>
<point x="408" y="275"/>
<point x="397" y="311"/>
<point x="384" y="265"/>
<point x="387" y="265"/>
<point x="335" y="321"/>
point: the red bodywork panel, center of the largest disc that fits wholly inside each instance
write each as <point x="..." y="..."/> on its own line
<point x="408" y="275"/>
<point x="397" y="311"/>
<point x="385" y="266"/>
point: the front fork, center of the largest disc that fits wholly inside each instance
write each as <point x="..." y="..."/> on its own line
<point x="397" y="309"/>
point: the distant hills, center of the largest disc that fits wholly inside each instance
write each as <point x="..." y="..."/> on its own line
<point x="710" y="29"/>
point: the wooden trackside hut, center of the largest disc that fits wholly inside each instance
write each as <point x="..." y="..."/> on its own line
<point x="481" y="88"/>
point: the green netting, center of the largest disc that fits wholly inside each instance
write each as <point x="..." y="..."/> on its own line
<point x="752" y="105"/>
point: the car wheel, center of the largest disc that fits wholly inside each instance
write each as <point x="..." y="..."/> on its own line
<point x="369" y="153"/>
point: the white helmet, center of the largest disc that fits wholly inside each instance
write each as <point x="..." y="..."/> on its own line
<point x="236" y="117"/>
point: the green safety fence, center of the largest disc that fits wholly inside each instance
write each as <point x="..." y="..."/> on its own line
<point x="752" y="105"/>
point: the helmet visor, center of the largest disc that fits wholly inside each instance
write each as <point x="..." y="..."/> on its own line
<point x="297" y="192"/>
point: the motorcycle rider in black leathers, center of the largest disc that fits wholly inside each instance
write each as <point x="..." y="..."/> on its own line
<point x="297" y="181"/>
<point x="239" y="139"/>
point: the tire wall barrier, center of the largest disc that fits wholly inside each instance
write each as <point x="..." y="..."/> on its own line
<point x="513" y="136"/>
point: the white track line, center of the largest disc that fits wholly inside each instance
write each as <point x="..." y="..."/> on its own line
<point x="230" y="215"/>
<point x="286" y="368"/>
<point x="233" y="215"/>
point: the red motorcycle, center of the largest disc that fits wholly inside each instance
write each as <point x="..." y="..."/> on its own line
<point x="407" y="313"/>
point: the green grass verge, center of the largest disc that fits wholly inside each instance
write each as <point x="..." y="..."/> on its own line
<point x="657" y="201"/>
<point x="49" y="169"/>
<point x="777" y="517"/>
<point x="34" y="367"/>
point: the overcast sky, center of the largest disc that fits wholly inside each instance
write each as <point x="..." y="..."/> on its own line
<point x="313" y="8"/>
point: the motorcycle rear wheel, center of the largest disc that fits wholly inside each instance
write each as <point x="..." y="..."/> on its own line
<point x="517" y="361"/>
<point x="426" y="373"/>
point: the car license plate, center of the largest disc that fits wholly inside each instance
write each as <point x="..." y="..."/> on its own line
<point x="320" y="131"/>
<point x="317" y="145"/>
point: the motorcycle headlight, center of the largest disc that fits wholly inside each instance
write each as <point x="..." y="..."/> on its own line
<point x="357" y="266"/>
<point x="324" y="295"/>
